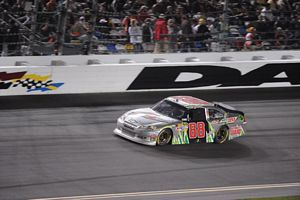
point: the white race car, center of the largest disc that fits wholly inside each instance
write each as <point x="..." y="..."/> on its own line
<point x="182" y="120"/>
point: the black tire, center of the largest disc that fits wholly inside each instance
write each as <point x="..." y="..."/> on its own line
<point x="164" y="137"/>
<point x="222" y="135"/>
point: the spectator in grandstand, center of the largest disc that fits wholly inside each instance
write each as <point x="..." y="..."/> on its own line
<point x="194" y="23"/>
<point x="280" y="38"/>
<point x="51" y="5"/>
<point x="251" y="41"/>
<point x="147" y="33"/>
<point x="202" y="35"/>
<point x="210" y="23"/>
<point x="187" y="37"/>
<point x="158" y="8"/>
<point x="103" y="7"/>
<point x="249" y="38"/>
<point x="273" y="4"/>
<point x="266" y="12"/>
<point x="263" y="27"/>
<point x="197" y="6"/>
<point x="179" y="13"/>
<point x="52" y="39"/>
<point x="103" y="29"/>
<point x="295" y="7"/>
<point x="170" y="12"/>
<point x="282" y="22"/>
<point x="135" y="34"/>
<point x="161" y="35"/>
<point x="45" y="31"/>
<point x="117" y="5"/>
<point x="132" y="5"/>
<point x="245" y="12"/>
<point x="142" y="14"/>
<point x="126" y="23"/>
<point x="173" y="34"/>
<point x="79" y="28"/>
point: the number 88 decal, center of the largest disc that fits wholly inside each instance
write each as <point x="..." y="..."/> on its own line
<point x="196" y="130"/>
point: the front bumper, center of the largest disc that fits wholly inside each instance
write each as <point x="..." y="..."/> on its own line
<point x="134" y="138"/>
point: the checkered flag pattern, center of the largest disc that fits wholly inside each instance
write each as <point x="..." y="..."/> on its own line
<point x="32" y="84"/>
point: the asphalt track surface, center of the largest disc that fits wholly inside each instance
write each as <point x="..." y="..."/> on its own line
<point x="48" y="152"/>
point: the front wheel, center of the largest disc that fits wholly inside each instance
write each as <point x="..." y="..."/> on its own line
<point x="164" y="137"/>
<point x="222" y="135"/>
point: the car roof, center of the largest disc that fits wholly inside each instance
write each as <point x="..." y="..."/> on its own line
<point x="189" y="101"/>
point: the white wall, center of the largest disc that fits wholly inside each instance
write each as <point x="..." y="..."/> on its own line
<point x="118" y="77"/>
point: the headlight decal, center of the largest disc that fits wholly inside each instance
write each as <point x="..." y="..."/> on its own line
<point x="152" y="137"/>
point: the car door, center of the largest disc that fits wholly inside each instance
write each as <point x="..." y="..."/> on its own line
<point x="197" y="126"/>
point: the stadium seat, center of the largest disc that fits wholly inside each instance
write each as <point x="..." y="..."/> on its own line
<point x="129" y="47"/>
<point x="111" y="48"/>
<point x="120" y="48"/>
<point x="102" y="48"/>
<point x="198" y="45"/>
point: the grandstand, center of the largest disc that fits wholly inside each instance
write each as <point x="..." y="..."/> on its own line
<point x="70" y="27"/>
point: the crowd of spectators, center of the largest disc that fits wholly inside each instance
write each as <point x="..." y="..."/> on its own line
<point x="152" y="25"/>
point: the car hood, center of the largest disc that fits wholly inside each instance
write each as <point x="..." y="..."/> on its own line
<point x="147" y="117"/>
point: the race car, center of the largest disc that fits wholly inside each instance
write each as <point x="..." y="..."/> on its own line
<point x="182" y="120"/>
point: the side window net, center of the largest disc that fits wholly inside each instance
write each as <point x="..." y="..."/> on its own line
<point x="198" y="115"/>
<point x="215" y="114"/>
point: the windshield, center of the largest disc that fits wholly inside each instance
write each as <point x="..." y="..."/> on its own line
<point x="224" y="106"/>
<point x="170" y="109"/>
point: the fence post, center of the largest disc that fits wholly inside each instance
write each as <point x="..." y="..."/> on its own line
<point x="225" y="28"/>
<point x="34" y="13"/>
<point x="61" y="27"/>
<point x="93" y="23"/>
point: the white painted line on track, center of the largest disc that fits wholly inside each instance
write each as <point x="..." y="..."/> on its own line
<point x="173" y="192"/>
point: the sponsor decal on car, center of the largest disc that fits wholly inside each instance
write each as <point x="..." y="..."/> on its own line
<point x="181" y="134"/>
<point x="211" y="134"/>
<point x="236" y="131"/>
<point x="231" y="120"/>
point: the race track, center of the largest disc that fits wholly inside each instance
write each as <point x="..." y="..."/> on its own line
<point x="71" y="151"/>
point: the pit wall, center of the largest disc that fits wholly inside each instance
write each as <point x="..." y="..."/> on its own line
<point x="147" y="72"/>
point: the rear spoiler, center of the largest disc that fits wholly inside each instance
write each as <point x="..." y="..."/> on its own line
<point x="228" y="108"/>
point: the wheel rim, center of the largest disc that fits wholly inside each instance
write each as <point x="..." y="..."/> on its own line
<point x="164" y="138"/>
<point x="222" y="135"/>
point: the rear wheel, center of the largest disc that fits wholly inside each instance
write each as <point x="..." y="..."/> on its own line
<point x="164" y="137"/>
<point x="222" y="135"/>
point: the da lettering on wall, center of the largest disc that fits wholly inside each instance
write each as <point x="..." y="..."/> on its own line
<point x="165" y="77"/>
<point x="30" y="82"/>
